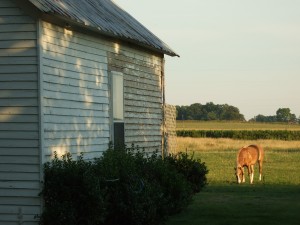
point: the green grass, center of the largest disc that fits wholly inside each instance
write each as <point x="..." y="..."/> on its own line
<point x="225" y="125"/>
<point x="247" y="205"/>
<point x="275" y="200"/>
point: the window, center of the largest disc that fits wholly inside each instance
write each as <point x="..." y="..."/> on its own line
<point x="117" y="98"/>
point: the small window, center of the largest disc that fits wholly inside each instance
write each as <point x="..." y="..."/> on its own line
<point x="117" y="98"/>
<point x="119" y="137"/>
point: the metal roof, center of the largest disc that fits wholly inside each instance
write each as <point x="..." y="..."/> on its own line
<point x="107" y="18"/>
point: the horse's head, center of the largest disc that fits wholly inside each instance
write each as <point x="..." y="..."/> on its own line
<point x="239" y="173"/>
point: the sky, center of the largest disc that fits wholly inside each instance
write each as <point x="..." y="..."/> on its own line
<point x="244" y="53"/>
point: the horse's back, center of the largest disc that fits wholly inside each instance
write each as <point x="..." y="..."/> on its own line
<point x="259" y="150"/>
<point x="253" y="150"/>
<point x="248" y="155"/>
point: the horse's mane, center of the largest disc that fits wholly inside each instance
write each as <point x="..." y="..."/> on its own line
<point x="238" y="155"/>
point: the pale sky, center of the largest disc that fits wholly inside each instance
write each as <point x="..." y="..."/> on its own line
<point x="244" y="53"/>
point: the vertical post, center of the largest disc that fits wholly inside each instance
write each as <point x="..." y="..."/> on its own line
<point x="41" y="104"/>
<point x="164" y="149"/>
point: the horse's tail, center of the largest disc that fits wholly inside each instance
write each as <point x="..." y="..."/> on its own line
<point x="260" y="153"/>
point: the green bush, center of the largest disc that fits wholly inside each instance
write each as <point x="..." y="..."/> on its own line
<point x="192" y="169"/>
<point x="173" y="191"/>
<point x="123" y="186"/>
<point x="72" y="193"/>
<point x="130" y="196"/>
<point x="287" y="135"/>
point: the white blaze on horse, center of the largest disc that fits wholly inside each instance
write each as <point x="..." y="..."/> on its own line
<point x="247" y="157"/>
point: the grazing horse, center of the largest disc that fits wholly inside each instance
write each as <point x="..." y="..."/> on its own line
<point x="247" y="157"/>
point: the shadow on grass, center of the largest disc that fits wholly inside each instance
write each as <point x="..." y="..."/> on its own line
<point x="230" y="204"/>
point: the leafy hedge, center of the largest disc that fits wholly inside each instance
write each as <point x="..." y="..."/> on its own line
<point x="193" y="170"/>
<point x="122" y="187"/>
<point x="242" y="134"/>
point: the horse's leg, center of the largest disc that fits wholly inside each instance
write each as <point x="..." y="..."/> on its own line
<point x="243" y="175"/>
<point x="260" y="169"/>
<point x="252" y="173"/>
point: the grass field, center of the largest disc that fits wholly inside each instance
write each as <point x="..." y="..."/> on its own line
<point x="275" y="200"/>
<point x="223" y="125"/>
<point x="247" y="205"/>
<point x="222" y="144"/>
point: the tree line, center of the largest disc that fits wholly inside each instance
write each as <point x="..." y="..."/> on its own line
<point x="211" y="111"/>
<point x="282" y="115"/>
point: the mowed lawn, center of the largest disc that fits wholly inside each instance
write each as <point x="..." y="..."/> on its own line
<point x="247" y="205"/>
<point x="275" y="200"/>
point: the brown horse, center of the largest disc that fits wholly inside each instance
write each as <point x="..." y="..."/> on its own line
<point x="247" y="157"/>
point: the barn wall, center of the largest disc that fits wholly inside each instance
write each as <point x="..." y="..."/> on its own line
<point x="19" y="120"/>
<point x="75" y="93"/>
<point x="142" y="96"/>
<point x="76" y="103"/>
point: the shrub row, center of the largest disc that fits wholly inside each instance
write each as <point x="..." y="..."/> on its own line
<point x="287" y="135"/>
<point x="122" y="187"/>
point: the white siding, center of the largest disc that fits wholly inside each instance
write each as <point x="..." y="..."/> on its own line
<point x="19" y="119"/>
<point x="142" y="96"/>
<point x="74" y="102"/>
<point x="76" y="111"/>
<point x="75" y="93"/>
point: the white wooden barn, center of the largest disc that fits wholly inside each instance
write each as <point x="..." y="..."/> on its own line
<point x="74" y="75"/>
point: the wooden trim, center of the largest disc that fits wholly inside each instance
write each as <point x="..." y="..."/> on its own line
<point x="164" y="153"/>
<point x="41" y="105"/>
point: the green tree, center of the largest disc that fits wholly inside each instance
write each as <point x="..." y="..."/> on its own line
<point x="231" y="113"/>
<point x="293" y="118"/>
<point x="265" y="119"/>
<point x="283" y="115"/>
<point x="212" y="116"/>
<point x="196" y="111"/>
<point x="209" y="111"/>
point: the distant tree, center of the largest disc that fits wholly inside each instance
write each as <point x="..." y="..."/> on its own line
<point x="196" y="111"/>
<point x="212" y="116"/>
<point x="284" y="115"/>
<point x="181" y="112"/>
<point x="260" y="118"/>
<point x="231" y="113"/>
<point x="293" y="118"/>
<point x="209" y="111"/>
<point x="271" y="119"/>
<point x="264" y="119"/>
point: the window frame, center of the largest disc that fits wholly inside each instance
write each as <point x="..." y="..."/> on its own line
<point x="114" y="75"/>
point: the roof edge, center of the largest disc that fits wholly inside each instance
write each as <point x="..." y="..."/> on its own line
<point x="62" y="21"/>
<point x="76" y="26"/>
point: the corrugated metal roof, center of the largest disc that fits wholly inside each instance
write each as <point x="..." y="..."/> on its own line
<point x="107" y="17"/>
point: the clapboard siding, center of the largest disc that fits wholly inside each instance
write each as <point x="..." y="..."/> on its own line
<point x="19" y="118"/>
<point x="16" y="52"/>
<point x="75" y="93"/>
<point x="55" y="85"/>
<point x="142" y="96"/>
